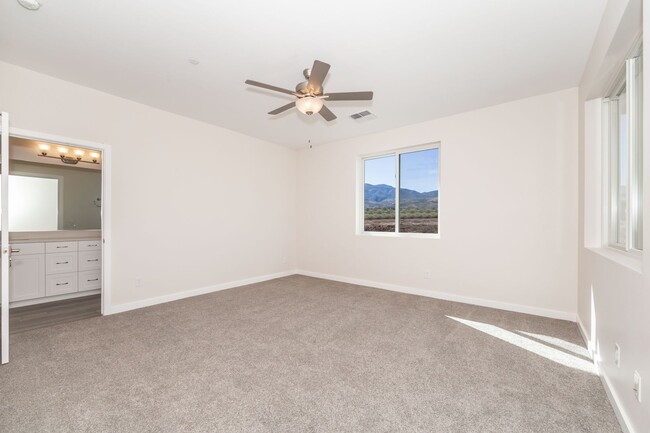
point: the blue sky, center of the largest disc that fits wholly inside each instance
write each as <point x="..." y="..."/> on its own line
<point x="419" y="170"/>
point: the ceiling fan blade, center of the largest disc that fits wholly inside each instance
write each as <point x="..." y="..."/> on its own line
<point x="283" y="108"/>
<point x="349" y="96"/>
<point x="317" y="76"/>
<point x="327" y="114"/>
<point x="269" y="87"/>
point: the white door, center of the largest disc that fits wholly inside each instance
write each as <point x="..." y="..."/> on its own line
<point x="4" y="235"/>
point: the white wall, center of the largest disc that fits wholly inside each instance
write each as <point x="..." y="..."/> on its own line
<point x="194" y="205"/>
<point x="508" y="211"/>
<point x="620" y="287"/>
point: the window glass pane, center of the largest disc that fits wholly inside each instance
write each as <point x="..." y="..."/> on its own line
<point x="637" y="131"/>
<point x="418" y="193"/>
<point x="379" y="194"/>
<point x="623" y="171"/>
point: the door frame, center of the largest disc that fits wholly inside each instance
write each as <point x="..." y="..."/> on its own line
<point x="4" y="326"/>
<point x="106" y="199"/>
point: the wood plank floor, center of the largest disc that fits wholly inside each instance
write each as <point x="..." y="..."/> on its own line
<point x="53" y="313"/>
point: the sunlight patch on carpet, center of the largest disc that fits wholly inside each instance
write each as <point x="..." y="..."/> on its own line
<point x="532" y="346"/>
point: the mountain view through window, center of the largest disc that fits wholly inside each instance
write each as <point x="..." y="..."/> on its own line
<point x="417" y="176"/>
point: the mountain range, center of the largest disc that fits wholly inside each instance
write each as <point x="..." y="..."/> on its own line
<point x="384" y="196"/>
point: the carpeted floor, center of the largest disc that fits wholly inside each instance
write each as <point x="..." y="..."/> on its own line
<point x="300" y="354"/>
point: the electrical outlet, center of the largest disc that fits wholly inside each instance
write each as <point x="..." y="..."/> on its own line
<point x="617" y="355"/>
<point x="637" y="386"/>
<point x="138" y="281"/>
<point x="427" y="275"/>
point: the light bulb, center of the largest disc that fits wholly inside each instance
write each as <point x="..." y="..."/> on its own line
<point x="309" y="105"/>
<point x="79" y="152"/>
<point x="44" y="146"/>
<point x="94" y="154"/>
<point x="62" y="150"/>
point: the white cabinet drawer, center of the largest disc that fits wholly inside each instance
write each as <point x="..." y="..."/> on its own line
<point x="60" y="263"/>
<point x="27" y="248"/>
<point x="95" y="245"/>
<point x="60" y="284"/>
<point x="60" y="247"/>
<point x="90" y="280"/>
<point x="89" y="260"/>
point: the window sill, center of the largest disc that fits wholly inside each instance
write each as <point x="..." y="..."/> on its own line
<point x="400" y="235"/>
<point x="630" y="261"/>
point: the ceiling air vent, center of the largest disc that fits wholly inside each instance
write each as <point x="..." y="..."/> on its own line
<point x="363" y="115"/>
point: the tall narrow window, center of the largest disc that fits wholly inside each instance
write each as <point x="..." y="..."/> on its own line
<point x="379" y="194"/>
<point x="418" y="191"/>
<point x="624" y="133"/>
<point x="400" y="191"/>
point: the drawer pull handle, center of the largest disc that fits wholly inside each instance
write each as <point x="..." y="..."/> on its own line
<point x="62" y="284"/>
<point x="64" y="246"/>
<point x="15" y="250"/>
<point x="96" y="279"/>
<point x="62" y="263"/>
<point x="93" y="260"/>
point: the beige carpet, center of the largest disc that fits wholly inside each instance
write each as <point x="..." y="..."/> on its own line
<point x="300" y="354"/>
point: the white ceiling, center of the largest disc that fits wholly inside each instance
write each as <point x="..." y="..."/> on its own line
<point x="423" y="58"/>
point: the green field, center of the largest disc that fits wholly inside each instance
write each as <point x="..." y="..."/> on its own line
<point x="380" y="213"/>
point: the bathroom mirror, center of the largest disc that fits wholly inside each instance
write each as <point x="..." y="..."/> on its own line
<point x="45" y="197"/>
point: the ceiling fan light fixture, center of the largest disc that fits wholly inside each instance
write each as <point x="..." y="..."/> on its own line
<point x="309" y="105"/>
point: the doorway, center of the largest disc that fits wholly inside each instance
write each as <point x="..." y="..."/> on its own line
<point x="58" y="226"/>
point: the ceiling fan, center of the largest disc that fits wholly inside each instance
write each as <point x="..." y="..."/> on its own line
<point x="311" y="94"/>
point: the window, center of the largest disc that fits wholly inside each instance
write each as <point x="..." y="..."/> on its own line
<point x="400" y="191"/>
<point x="623" y="134"/>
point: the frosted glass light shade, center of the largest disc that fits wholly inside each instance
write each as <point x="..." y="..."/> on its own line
<point x="309" y="105"/>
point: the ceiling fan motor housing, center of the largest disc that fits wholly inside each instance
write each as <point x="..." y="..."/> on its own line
<point x="303" y="87"/>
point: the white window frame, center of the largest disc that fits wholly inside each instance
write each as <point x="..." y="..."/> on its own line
<point x="628" y="81"/>
<point x="361" y="176"/>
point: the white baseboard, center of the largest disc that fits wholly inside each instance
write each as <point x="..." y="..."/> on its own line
<point x="562" y="315"/>
<point x="37" y="301"/>
<point x="114" y="309"/>
<point x="553" y="314"/>
<point x="585" y="335"/>
<point x="613" y="399"/>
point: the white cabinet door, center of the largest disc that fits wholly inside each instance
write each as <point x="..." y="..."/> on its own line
<point x="26" y="277"/>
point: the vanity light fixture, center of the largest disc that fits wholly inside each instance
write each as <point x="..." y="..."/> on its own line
<point x="68" y="159"/>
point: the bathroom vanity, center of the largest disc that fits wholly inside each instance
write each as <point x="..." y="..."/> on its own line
<point x="50" y="266"/>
